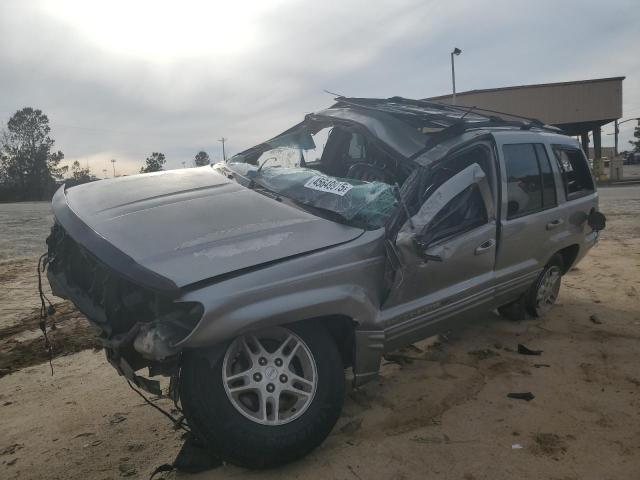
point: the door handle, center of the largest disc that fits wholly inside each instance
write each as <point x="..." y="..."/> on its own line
<point x="554" y="224"/>
<point x="485" y="247"/>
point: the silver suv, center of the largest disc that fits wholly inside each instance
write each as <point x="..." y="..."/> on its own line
<point x="370" y="225"/>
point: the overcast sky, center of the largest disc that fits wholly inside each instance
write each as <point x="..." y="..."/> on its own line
<point x="122" y="78"/>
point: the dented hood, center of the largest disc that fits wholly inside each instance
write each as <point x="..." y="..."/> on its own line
<point x="170" y="229"/>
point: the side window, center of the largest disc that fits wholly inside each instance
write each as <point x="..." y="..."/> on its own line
<point x="464" y="212"/>
<point x="548" y="184"/>
<point x="530" y="185"/>
<point x="575" y="171"/>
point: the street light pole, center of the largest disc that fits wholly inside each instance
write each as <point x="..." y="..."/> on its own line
<point x="456" y="51"/>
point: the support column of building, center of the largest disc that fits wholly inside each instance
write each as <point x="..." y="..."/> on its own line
<point x="584" y="138"/>
<point x="598" y="169"/>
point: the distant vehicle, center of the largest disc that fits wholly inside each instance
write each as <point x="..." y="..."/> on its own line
<point x="370" y="225"/>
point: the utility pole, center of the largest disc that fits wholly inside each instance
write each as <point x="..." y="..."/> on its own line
<point x="113" y="162"/>
<point x="456" y="52"/>
<point x="224" y="155"/>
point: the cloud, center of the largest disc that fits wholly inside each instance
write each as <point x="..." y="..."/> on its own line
<point x="120" y="80"/>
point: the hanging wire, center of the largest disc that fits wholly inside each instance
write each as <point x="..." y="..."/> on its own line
<point x="177" y="422"/>
<point x="44" y="311"/>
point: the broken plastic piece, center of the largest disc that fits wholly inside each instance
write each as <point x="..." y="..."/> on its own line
<point x="522" y="350"/>
<point x="528" y="396"/>
<point x="516" y="446"/>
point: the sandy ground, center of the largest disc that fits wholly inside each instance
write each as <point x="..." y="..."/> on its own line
<point x="441" y="412"/>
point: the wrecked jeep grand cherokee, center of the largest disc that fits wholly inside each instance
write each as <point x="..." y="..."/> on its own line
<point x="372" y="224"/>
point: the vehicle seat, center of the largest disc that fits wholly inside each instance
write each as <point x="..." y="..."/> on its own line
<point x="370" y="173"/>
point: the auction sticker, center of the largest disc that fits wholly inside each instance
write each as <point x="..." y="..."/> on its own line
<point x="329" y="185"/>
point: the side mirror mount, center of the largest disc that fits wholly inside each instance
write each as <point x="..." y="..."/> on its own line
<point x="421" y="246"/>
<point x="596" y="220"/>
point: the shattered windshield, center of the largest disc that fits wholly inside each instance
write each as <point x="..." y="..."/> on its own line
<point x="363" y="204"/>
<point x="331" y="171"/>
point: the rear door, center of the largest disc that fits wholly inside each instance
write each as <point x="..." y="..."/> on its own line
<point x="532" y="222"/>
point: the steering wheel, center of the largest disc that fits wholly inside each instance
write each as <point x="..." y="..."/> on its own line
<point x="370" y="173"/>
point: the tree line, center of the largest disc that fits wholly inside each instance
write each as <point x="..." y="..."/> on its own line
<point x="156" y="161"/>
<point x="30" y="165"/>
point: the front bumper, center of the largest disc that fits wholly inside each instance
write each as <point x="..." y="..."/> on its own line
<point x="120" y="311"/>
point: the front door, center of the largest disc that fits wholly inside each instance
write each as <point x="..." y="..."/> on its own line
<point x="447" y="252"/>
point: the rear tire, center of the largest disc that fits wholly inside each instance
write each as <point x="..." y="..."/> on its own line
<point x="540" y="297"/>
<point x="544" y="292"/>
<point x="251" y="428"/>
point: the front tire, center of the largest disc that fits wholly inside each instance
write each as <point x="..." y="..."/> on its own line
<point x="271" y="398"/>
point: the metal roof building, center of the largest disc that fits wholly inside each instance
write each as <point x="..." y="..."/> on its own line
<point x="577" y="107"/>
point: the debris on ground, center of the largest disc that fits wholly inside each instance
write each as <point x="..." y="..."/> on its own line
<point x="516" y="446"/>
<point x="528" y="396"/>
<point x="595" y="318"/>
<point x="523" y="350"/>
<point x="541" y="365"/>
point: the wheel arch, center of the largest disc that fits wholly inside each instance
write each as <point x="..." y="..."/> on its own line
<point x="569" y="255"/>
<point x="342" y="329"/>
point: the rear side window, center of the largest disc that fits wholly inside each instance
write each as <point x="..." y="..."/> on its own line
<point x="530" y="185"/>
<point x="548" y="184"/>
<point x="575" y="171"/>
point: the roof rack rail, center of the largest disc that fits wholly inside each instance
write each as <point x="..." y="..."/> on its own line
<point x="444" y="116"/>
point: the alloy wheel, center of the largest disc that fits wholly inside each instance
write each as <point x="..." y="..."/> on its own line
<point x="270" y="376"/>
<point x="548" y="289"/>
